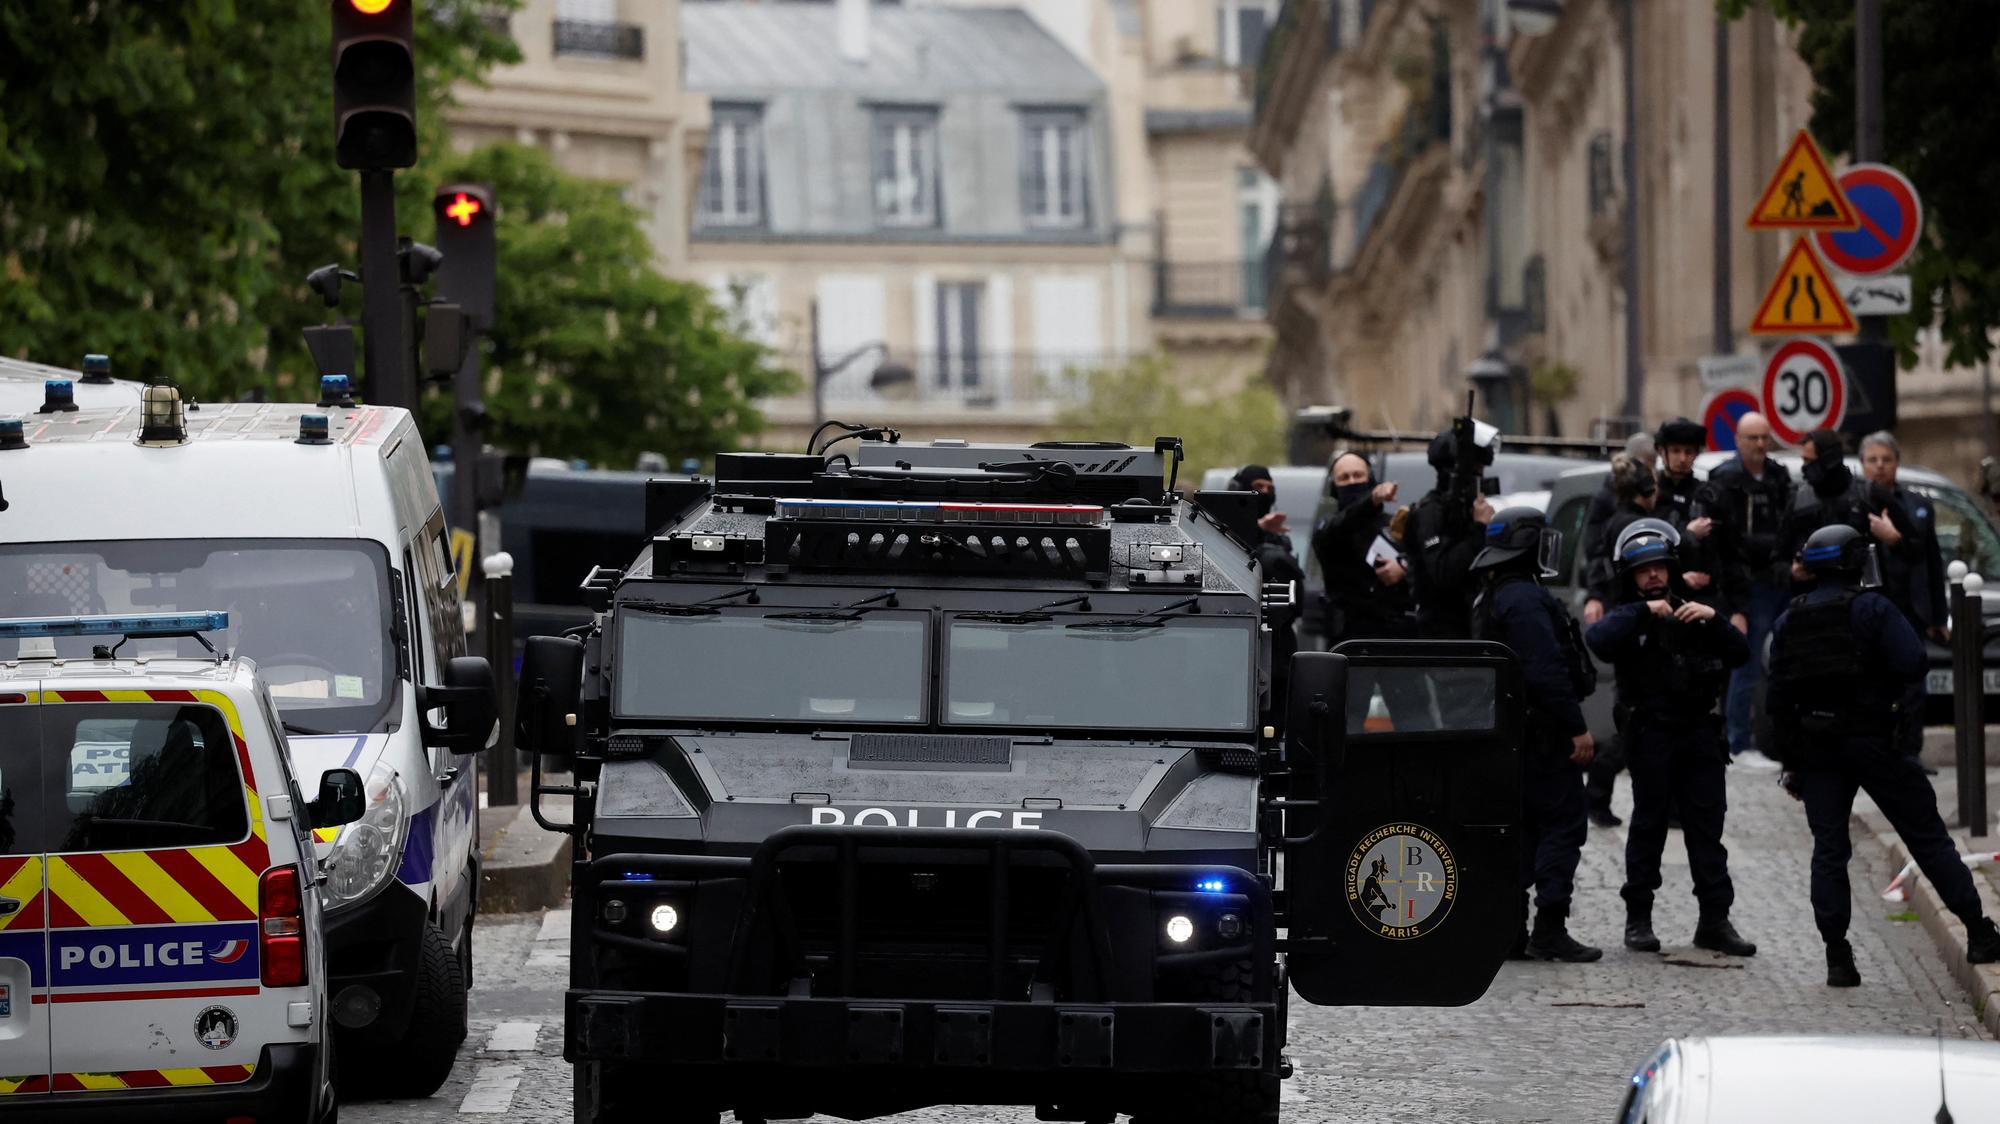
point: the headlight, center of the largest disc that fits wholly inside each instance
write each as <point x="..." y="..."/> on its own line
<point x="665" y="918"/>
<point x="1180" y="928"/>
<point x="366" y="851"/>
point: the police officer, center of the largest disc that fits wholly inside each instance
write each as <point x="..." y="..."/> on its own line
<point x="1603" y="505"/>
<point x="1444" y="535"/>
<point x="1912" y="566"/>
<point x="1846" y="668"/>
<point x="1367" y="579"/>
<point x="1711" y="567"/>
<point x="1515" y="610"/>
<point x="1672" y="655"/>
<point x="1279" y="564"/>
<point x="1754" y="493"/>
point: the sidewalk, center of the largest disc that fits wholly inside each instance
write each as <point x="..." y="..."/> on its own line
<point x="1981" y="981"/>
<point x="523" y="867"/>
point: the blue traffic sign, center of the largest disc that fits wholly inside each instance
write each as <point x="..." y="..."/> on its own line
<point x="1890" y="215"/>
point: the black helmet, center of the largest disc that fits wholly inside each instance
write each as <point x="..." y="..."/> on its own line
<point x="1518" y="533"/>
<point x="1644" y="542"/>
<point x="1443" y="453"/>
<point x="1681" y="431"/>
<point x="1842" y="554"/>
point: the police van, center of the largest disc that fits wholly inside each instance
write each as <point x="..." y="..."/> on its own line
<point x="318" y="529"/>
<point x="35" y="388"/>
<point x="159" y="909"/>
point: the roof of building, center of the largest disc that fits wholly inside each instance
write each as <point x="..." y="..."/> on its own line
<point x="913" y="53"/>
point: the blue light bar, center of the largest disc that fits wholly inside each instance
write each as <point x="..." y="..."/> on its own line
<point x="138" y="624"/>
<point x="1211" y="886"/>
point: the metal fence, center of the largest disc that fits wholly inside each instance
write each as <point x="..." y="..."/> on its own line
<point x="601" y="38"/>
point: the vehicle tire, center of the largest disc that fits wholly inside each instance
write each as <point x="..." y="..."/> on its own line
<point x="1229" y="1096"/>
<point x="610" y="1098"/>
<point x="417" y="1065"/>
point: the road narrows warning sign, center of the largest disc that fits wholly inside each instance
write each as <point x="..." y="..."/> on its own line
<point x="1803" y="298"/>
<point x="1803" y="194"/>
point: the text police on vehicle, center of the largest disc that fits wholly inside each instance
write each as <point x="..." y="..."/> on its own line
<point x="160" y="950"/>
<point x="930" y="773"/>
<point x="317" y="528"/>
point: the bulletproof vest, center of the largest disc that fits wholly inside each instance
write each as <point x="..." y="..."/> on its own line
<point x="1569" y="635"/>
<point x="1824" y="669"/>
<point x="1672" y="679"/>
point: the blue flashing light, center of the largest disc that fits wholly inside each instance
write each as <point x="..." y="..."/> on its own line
<point x="96" y="368"/>
<point x="314" y="430"/>
<point x="1211" y="886"/>
<point x="58" y="396"/>
<point x="636" y="876"/>
<point x="138" y="624"/>
<point x="335" y="390"/>
<point x="13" y="433"/>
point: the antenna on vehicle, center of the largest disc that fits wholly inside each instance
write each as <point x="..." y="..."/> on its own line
<point x="1944" y="1108"/>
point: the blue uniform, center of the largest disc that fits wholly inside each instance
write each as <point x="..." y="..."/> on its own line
<point x="1519" y="613"/>
<point x="1862" y="753"/>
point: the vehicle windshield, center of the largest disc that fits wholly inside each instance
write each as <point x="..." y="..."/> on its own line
<point x="1963" y="533"/>
<point x="752" y="665"/>
<point x="1168" y="673"/>
<point x="313" y="613"/>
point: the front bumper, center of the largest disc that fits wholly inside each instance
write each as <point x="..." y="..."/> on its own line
<point x="280" y="1090"/>
<point x="798" y="957"/>
<point x="376" y="945"/>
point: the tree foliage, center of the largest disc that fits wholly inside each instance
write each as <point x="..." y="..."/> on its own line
<point x="1940" y="66"/>
<point x="1142" y="400"/>
<point x="167" y="179"/>
<point x="594" y="353"/>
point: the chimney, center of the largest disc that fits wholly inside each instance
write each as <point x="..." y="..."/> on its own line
<point x="853" y="17"/>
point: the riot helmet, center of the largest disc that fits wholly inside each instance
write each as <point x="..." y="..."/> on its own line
<point x="1680" y="431"/>
<point x="1517" y="537"/>
<point x="1644" y="542"/>
<point x="1841" y="554"/>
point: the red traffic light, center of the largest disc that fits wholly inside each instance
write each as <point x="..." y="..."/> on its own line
<point x="371" y="7"/>
<point x="463" y="208"/>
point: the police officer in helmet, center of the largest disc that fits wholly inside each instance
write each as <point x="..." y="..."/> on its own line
<point x="1515" y="610"/>
<point x="1673" y="655"/>
<point x="1846" y="669"/>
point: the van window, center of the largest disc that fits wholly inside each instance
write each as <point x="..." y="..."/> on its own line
<point x="140" y="776"/>
<point x="20" y="778"/>
<point x="313" y="613"/>
<point x="1963" y="533"/>
<point x="1569" y="520"/>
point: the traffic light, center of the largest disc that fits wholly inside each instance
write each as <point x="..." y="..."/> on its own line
<point x="374" y="83"/>
<point x="464" y="213"/>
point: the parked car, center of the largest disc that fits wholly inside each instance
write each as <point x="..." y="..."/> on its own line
<point x="1964" y="534"/>
<point x="1827" y="1079"/>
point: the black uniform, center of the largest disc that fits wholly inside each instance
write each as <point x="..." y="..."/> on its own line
<point x="1359" y="604"/>
<point x="1683" y="499"/>
<point x="1754" y="507"/>
<point x="1846" y="670"/>
<point x="1670" y="677"/>
<point x="1444" y="540"/>
<point x="1516" y="611"/>
<point x="1913" y="570"/>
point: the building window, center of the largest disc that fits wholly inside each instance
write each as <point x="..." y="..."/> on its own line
<point x="906" y="167"/>
<point x="958" y="334"/>
<point x="732" y="182"/>
<point x="1241" y="26"/>
<point x="1055" y="172"/>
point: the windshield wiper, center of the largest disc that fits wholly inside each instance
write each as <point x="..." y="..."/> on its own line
<point x="994" y="616"/>
<point x="1154" y="619"/>
<point x="303" y="731"/>
<point x="854" y="612"/>
<point x="703" y="608"/>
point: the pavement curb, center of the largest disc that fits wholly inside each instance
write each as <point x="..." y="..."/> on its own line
<point x="1940" y="749"/>
<point x="523" y="867"/>
<point x="1980" y="981"/>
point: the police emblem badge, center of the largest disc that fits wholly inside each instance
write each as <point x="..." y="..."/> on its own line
<point x="1401" y="881"/>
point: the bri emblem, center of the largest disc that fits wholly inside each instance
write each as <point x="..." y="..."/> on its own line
<point x="1401" y="881"/>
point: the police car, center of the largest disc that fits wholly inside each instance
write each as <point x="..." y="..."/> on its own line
<point x="318" y="529"/>
<point x="1829" y="1079"/>
<point x="159" y="909"/>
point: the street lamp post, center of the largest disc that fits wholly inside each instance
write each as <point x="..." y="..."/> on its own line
<point x="890" y="379"/>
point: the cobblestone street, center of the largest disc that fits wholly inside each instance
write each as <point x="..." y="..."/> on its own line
<point x="1547" y="1043"/>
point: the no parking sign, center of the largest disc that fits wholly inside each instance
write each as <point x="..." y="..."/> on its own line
<point x="1890" y="215"/>
<point x="1721" y="411"/>
<point x="1804" y="389"/>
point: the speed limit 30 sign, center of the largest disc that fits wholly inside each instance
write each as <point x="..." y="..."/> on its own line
<point x="1804" y="390"/>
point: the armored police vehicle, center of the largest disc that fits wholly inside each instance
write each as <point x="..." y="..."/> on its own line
<point x="161" y="950"/>
<point x="317" y="528"/>
<point x="920" y="774"/>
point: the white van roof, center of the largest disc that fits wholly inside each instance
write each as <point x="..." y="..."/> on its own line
<point x="242" y="474"/>
<point x="22" y="388"/>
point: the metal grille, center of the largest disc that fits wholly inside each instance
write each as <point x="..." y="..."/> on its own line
<point x="73" y="582"/>
<point x="931" y="749"/>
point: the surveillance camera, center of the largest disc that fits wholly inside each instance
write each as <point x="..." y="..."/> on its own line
<point x="419" y="262"/>
<point x="326" y="282"/>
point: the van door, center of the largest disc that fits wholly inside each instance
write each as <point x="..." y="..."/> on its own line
<point x="451" y="820"/>
<point x="157" y="844"/>
<point x="1402" y="856"/>
<point x="24" y="957"/>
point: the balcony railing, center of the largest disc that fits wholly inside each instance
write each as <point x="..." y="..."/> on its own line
<point x="986" y="380"/>
<point x="1299" y="249"/>
<point x="1209" y="289"/>
<point x="600" y="38"/>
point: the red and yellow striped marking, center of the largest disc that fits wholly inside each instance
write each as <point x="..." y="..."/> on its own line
<point x="21" y="880"/>
<point x="127" y="1079"/>
<point x="158" y="887"/>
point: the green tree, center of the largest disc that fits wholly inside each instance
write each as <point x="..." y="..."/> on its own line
<point x="167" y="178"/>
<point x="594" y="353"/>
<point x="1142" y="400"/>
<point x="1939" y="120"/>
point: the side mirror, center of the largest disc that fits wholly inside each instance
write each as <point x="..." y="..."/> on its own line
<point x="1316" y="713"/>
<point x="340" y="801"/>
<point x="551" y="694"/>
<point x="470" y="709"/>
